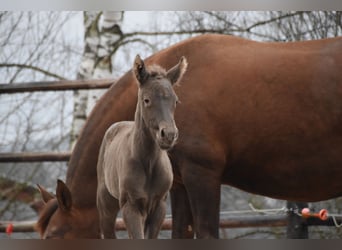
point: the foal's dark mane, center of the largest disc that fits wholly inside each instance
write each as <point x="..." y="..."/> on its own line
<point x="156" y="71"/>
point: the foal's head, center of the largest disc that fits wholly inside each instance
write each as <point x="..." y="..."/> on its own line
<point x="157" y="99"/>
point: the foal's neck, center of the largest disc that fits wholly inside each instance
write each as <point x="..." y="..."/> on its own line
<point x="144" y="144"/>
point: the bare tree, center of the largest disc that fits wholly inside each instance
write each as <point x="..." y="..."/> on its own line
<point x="265" y="26"/>
<point x="34" y="47"/>
<point x="102" y="33"/>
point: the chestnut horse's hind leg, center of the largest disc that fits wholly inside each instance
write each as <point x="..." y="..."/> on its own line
<point x="108" y="208"/>
<point x="182" y="222"/>
<point x="203" y="188"/>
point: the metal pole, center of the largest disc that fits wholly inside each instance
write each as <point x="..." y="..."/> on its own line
<point x="297" y="228"/>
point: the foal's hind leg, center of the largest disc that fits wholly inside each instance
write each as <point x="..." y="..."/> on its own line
<point x="155" y="220"/>
<point x="108" y="208"/>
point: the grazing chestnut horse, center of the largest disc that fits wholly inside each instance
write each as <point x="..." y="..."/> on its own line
<point x="134" y="172"/>
<point x="262" y="117"/>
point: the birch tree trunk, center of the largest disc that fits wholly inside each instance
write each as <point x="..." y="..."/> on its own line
<point x="102" y="34"/>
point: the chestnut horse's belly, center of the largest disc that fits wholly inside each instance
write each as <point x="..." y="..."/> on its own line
<point x="289" y="175"/>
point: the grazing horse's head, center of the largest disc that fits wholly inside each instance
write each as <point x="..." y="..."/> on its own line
<point x="157" y="99"/>
<point x="60" y="219"/>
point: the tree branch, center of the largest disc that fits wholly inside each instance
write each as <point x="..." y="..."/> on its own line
<point x="271" y="20"/>
<point x="35" y="68"/>
<point x="167" y="33"/>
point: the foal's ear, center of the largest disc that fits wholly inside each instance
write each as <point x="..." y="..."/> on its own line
<point x="139" y="69"/>
<point x="46" y="196"/>
<point x="176" y="73"/>
<point x="63" y="196"/>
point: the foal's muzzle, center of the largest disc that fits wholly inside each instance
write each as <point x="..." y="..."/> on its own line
<point x="167" y="137"/>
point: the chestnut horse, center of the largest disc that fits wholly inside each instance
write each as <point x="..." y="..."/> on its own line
<point x="262" y="117"/>
<point x="134" y="172"/>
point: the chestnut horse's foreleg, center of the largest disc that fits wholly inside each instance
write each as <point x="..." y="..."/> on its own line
<point x="155" y="220"/>
<point x="108" y="208"/>
<point x="182" y="222"/>
<point x="203" y="188"/>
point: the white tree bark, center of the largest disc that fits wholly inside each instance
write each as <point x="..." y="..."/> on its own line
<point x="102" y="33"/>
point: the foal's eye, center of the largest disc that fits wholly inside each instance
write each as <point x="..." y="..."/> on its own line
<point x="147" y="101"/>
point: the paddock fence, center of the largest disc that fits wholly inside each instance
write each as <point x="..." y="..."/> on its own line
<point x="297" y="225"/>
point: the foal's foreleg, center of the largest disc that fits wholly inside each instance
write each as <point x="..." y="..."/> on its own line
<point x="155" y="219"/>
<point x="134" y="219"/>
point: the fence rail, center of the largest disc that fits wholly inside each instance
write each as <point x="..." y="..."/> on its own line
<point x="233" y="222"/>
<point x="227" y="222"/>
<point x="34" y="157"/>
<point x="55" y="86"/>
